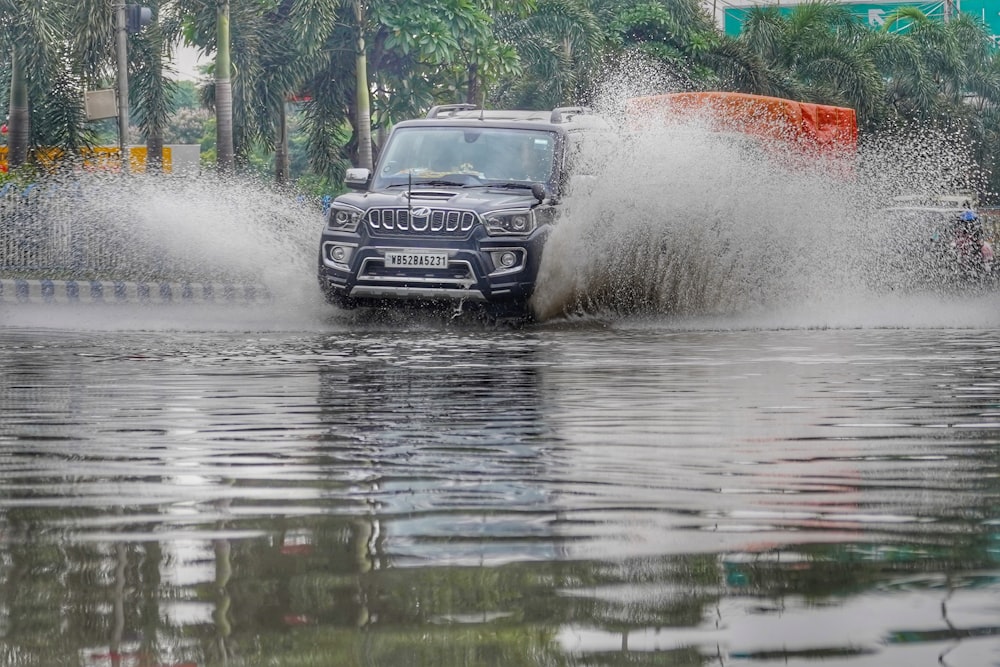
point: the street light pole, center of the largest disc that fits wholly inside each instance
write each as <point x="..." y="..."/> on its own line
<point x="121" y="40"/>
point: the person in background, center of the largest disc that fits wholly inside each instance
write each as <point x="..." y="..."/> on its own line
<point x="974" y="252"/>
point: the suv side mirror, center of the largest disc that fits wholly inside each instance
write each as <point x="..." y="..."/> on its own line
<point x="357" y="178"/>
<point x="539" y="191"/>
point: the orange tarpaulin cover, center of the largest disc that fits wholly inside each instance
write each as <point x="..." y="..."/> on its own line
<point x="820" y="126"/>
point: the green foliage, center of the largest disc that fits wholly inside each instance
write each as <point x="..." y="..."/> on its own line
<point x="560" y="48"/>
<point x="524" y="53"/>
<point x="208" y="137"/>
<point x="37" y="34"/>
<point x="185" y="96"/>
<point x="317" y="186"/>
<point x="187" y="125"/>
<point x="21" y="176"/>
<point x="106" y="131"/>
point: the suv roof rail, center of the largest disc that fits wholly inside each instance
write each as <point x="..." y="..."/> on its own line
<point x="449" y="108"/>
<point x="562" y="114"/>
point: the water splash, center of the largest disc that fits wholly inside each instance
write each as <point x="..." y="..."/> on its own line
<point x="144" y="228"/>
<point x="198" y="229"/>
<point x="681" y="223"/>
<point x="685" y="221"/>
<point x="681" y="220"/>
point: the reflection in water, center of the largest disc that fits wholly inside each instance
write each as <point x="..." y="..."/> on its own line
<point x="440" y="430"/>
<point x="447" y="496"/>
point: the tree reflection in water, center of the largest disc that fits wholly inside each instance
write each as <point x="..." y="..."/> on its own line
<point x="511" y="498"/>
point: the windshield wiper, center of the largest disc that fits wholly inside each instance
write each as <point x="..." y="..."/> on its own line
<point x="512" y="186"/>
<point x="538" y="190"/>
<point x="455" y="184"/>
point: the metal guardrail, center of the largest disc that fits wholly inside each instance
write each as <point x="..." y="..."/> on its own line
<point x="39" y="233"/>
<point x="48" y="231"/>
<point x="94" y="291"/>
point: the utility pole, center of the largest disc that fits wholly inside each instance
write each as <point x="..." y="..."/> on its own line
<point x="121" y="41"/>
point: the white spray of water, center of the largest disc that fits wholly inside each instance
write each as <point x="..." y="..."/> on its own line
<point x="197" y="229"/>
<point x="684" y="222"/>
<point x="206" y="227"/>
<point x="680" y="224"/>
<point x="691" y="223"/>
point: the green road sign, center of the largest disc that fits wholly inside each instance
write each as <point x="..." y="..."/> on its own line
<point x="875" y="14"/>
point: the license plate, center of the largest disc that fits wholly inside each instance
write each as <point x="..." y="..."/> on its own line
<point x="416" y="260"/>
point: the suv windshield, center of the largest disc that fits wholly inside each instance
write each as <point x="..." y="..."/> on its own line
<point x="466" y="156"/>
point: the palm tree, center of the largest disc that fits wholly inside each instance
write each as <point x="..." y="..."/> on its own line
<point x="79" y="57"/>
<point x="305" y="24"/>
<point x="18" y="117"/>
<point x="675" y="34"/>
<point x="391" y="59"/>
<point x="559" y="48"/>
<point x="737" y="67"/>
<point x="223" y="89"/>
<point x="482" y="53"/>
<point x="275" y="49"/>
<point x="327" y="114"/>
<point x="363" y="114"/>
<point x="817" y="52"/>
<point x="151" y="90"/>
<point x="207" y="25"/>
<point x="907" y="88"/>
<point x="31" y="33"/>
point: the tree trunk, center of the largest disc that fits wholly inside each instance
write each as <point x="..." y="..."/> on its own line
<point x="121" y="57"/>
<point x="154" y="152"/>
<point x="154" y="135"/>
<point x="362" y="93"/>
<point x="19" y="118"/>
<point x="223" y="92"/>
<point x="281" y="167"/>
<point x="474" y="92"/>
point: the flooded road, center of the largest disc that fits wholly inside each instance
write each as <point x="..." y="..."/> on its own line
<point x="582" y="492"/>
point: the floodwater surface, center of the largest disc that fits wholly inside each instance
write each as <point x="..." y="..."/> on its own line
<point x="584" y="492"/>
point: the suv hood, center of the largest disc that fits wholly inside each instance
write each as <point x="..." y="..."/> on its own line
<point x="478" y="199"/>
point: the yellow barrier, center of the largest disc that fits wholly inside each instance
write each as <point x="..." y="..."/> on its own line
<point x="99" y="158"/>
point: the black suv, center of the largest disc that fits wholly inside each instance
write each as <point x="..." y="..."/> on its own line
<point x="456" y="213"/>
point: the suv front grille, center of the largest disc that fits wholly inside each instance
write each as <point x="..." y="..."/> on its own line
<point x="438" y="221"/>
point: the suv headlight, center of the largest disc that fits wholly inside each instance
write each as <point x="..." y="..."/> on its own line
<point x="510" y="223"/>
<point x="343" y="218"/>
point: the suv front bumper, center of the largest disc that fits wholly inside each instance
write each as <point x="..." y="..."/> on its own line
<point x="471" y="275"/>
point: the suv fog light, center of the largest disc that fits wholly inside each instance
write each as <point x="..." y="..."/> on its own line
<point x="507" y="260"/>
<point x="338" y="254"/>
